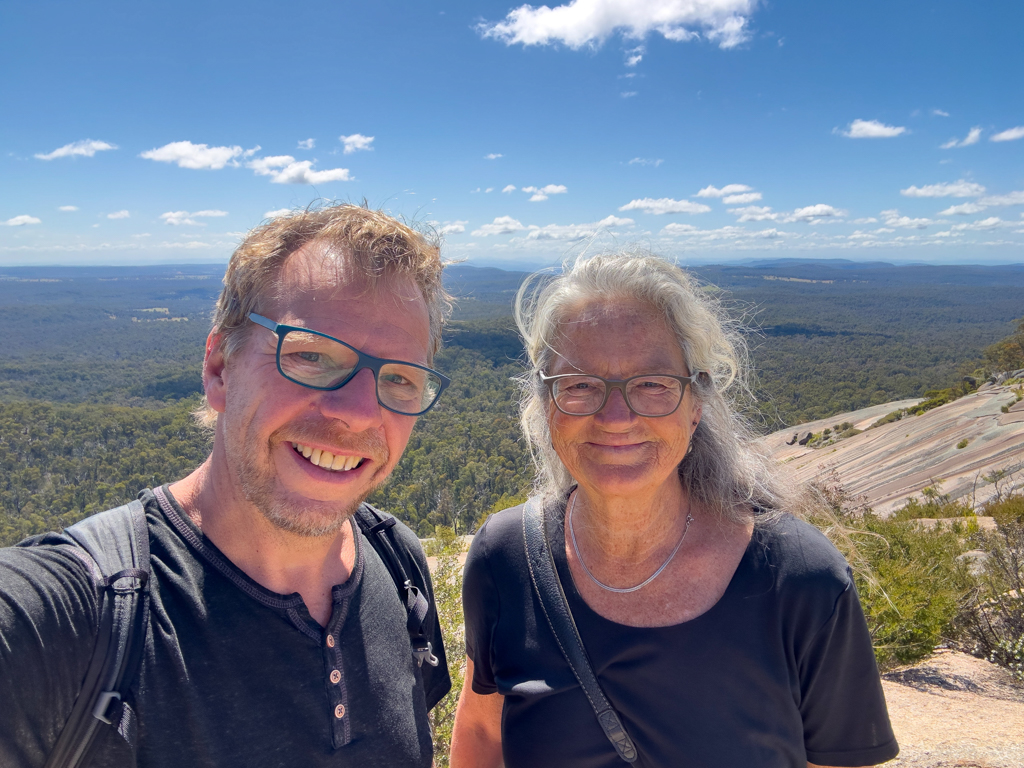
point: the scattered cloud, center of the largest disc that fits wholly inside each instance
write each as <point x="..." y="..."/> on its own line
<point x="177" y="218"/>
<point x="973" y="136"/>
<point x="940" y="113"/>
<point x="728" y="189"/>
<point x="284" y="169"/>
<point x="959" y="188"/>
<point x="628" y="94"/>
<point x="664" y="205"/>
<point x="1011" y="134"/>
<point x="990" y="223"/>
<point x="755" y="213"/>
<point x="84" y="148"/>
<point x="509" y="188"/>
<point x="679" y="229"/>
<point x="867" y="220"/>
<point x="453" y="228"/>
<point x="1011" y="198"/>
<point x="119" y="215"/>
<point x="68" y="208"/>
<point x="743" y="199"/>
<point x="21" y="221"/>
<point x="493" y="156"/>
<point x="965" y="209"/>
<point x="307" y="144"/>
<point x="635" y="55"/>
<point x="185" y="154"/>
<point x="488" y="190"/>
<point x="277" y="212"/>
<point x="542" y="193"/>
<point x="574" y="232"/>
<point x="356" y="143"/>
<point x="871" y="129"/>
<point x="893" y="219"/>
<point x="588" y="23"/>
<point x="502" y="225"/>
<point x="645" y="161"/>
<point x="814" y="213"/>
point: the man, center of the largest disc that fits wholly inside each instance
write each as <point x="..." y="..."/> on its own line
<point x="275" y="634"/>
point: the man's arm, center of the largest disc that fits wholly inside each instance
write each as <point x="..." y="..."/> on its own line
<point x="476" y="737"/>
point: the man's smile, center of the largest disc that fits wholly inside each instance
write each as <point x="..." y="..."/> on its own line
<point x="327" y="460"/>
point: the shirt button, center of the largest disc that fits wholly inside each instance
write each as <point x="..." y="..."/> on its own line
<point x="335" y="676"/>
<point x="330" y="641"/>
<point x="339" y="711"/>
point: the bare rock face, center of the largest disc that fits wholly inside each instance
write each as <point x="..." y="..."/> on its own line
<point x="886" y="465"/>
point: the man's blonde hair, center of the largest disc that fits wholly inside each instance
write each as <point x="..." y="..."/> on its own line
<point x="373" y="243"/>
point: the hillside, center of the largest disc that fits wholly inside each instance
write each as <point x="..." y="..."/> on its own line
<point x="887" y="464"/>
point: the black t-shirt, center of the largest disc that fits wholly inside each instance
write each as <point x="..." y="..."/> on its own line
<point x="779" y="672"/>
<point x="233" y="674"/>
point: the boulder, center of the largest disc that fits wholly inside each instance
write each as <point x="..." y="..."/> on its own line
<point x="804" y="438"/>
<point x="1001" y="378"/>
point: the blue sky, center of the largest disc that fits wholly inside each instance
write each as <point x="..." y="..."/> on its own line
<point x="708" y="130"/>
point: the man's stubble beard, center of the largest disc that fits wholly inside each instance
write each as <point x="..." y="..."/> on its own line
<point x="318" y="518"/>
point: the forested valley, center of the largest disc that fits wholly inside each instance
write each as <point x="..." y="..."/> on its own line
<point x="99" y="372"/>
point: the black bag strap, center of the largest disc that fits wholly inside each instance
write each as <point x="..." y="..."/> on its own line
<point x="556" y="610"/>
<point x="377" y="528"/>
<point x="115" y="546"/>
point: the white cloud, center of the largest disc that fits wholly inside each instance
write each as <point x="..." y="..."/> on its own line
<point x="502" y="225"/>
<point x="645" y="161"/>
<point x="747" y="197"/>
<point x="588" y="23"/>
<point x="356" y="143"/>
<point x="488" y="190"/>
<point x="295" y="172"/>
<point x="198" y="156"/>
<point x="1011" y="198"/>
<point x="893" y="219"/>
<point x="177" y="218"/>
<point x="990" y="223"/>
<point x="1011" y="134"/>
<point x="119" y="215"/>
<point x="277" y="212"/>
<point x="542" y="193"/>
<point x="867" y="220"/>
<point x="755" y="213"/>
<point x="509" y="188"/>
<point x="959" y="188"/>
<point x="307" y="144"/>
<point x="872" y="129"/>
<point x="679" y="229"/>
<point x="664" y="205"/>
<point x="940" y="113"/>
<point x="575" y="231"/>
<point x="84" y="148"/>
<point x="628" y="94"/>
<point x="20" y="221"/>
<point x="814" y="213"/>
<point x="493" y="156"/>
<point x="635" y="55"/>
<point x="973" y="136"/>
<point x="728" y="189"/>
<point x="453" y="228"/>
<point x="965" y="209"/>
<point x="68" y="208"/>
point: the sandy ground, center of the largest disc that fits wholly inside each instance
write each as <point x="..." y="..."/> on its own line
<point x="955" y="710"/>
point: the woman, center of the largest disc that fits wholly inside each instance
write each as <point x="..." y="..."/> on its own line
<point x="723" y="631"/>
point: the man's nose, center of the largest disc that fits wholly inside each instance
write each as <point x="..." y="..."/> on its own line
<point x="355" y="404"/>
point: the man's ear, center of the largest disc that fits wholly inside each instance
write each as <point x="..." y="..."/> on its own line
<point x="215" y="372"/>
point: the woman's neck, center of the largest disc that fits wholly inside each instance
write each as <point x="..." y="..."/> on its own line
<point x="632" y="529"/>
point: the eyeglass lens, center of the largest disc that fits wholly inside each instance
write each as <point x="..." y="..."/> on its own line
<point x="647" y="395"/>
<point x="316" y="361"/>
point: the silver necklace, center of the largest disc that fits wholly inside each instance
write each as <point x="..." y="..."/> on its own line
<point x="622" y="590"/>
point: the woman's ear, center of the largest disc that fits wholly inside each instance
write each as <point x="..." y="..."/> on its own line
<point x="215" y="372"/>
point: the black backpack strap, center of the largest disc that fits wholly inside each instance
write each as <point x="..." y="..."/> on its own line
<point x="377" y="528"/>
<point x="556" y="610"/>
<point x="116" y="548"/>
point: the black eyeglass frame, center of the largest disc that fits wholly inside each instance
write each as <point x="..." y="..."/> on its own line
<point x="363" y="360"/>
<point x="619" y="384"/>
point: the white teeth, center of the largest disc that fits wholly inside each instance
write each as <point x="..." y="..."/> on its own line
<point x="327" y="460"/>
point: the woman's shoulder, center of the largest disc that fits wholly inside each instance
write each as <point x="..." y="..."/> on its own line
<point x="798" y="552"/>
<point x="498" y="542"/>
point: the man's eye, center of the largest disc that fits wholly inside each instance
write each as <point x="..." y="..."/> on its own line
<point x="309" y="357"/>
<point x="396" y="379"/>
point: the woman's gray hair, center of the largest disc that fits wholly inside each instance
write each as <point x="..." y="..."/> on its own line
<point x="724" y="471"/>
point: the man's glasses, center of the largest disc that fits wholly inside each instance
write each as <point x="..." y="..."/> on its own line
<point x="648" y="395"/>
<point x="318" y="361"/>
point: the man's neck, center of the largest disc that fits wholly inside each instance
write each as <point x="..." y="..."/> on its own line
<point x="281" y="561"/>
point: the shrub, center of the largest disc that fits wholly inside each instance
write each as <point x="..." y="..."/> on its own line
<point x="963" y="443"/>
